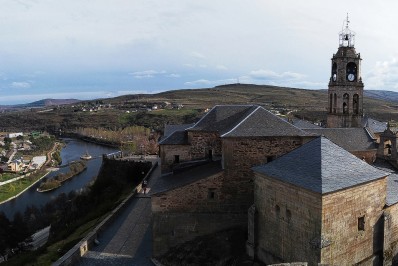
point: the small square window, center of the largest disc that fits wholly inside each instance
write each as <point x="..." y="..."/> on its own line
<point x="176" y="158"/>
<point x="361" y="223"/>
<point x="211" y="193"/>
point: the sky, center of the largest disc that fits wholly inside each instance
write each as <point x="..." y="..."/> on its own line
<point x="89" y="49"/>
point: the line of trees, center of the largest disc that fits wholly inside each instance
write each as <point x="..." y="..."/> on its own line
<point x="131" y="140"/>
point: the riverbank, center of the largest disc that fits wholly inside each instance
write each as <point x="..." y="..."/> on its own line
<point x="19" y="190"/>
<point x="56" y="182"/>
<point x="12" y="190"/>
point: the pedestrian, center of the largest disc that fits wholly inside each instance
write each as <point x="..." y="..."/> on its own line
<point x="144" y="185"/>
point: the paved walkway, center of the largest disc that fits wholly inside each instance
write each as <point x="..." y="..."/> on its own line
<point x="128" y="240"/>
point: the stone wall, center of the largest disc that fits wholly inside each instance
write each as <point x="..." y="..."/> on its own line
<point x="175" y="228"/>
<point x="369" y="155"/>
<point x="203" y="143"/>
<point x="390" y="246"/>
<point x="289" y="222"/>
<point x="342" y="211"/>
<point x="168" y="153"/>
<point x="197" y="209"/>
<point x="241" y="154"/>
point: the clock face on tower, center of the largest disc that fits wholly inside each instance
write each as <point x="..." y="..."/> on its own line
<point x="351" y="71"/>
<point x="334" y="77"/>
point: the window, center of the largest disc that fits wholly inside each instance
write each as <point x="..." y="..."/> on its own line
<point x="355" y="105"/>
<point x="331" y="103"/>
<point x="176" y="158"/>
<point x="361" y="223"/>
<point x="277" y="210"/>
<point x="346" y="99"/>
<point x="335" y="103"/>
<point x="211" y="193"/>
<point x="288" y="215"/>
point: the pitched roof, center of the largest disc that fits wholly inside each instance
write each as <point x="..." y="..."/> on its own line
<point x="374" y="125"/>
<point x="303" y="124"/>
<point x="321" y="166"/>
<point x="351" y="139"/>
<point x="262" y="123"/>
<point x="222" y="118"/>
<point x="176" y="138"/>
<point x="392" y="181"/>
<point x="170" y="129"/>
<point x="172" y="181"/>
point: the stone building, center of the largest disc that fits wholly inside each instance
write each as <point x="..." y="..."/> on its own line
<point x="319" y="204"/>
<point x="359" y="141"/>
<point x="214" y="189"/>
<point x="345" y="86"/>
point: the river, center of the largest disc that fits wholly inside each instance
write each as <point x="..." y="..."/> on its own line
<point x="71" y="152"/>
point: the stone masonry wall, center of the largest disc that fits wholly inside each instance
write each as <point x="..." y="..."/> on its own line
<point x="202" y="142"/>
<point x="181" y="214"/>
<point x="289" y="222"/>
<point x="167" y="155"/>
<point x="340" y="218"/>
<point x="193" y="197"/>
<point x="390" y="246"/>
<point x="369" y="155"/>
<point x="241" y="154"/>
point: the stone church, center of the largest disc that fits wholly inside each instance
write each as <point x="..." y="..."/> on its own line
<point x="304" y="193"/>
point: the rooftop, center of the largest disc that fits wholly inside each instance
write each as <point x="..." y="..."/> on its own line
<point x="188" y="176"/>
<point x="321" y="166"/>
<point x="222" y="118"/>
<point x="351" y="139"/>
<point x="262" y="123"/>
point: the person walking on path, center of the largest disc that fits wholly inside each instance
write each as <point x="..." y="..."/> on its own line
<point x="144" y="185"/>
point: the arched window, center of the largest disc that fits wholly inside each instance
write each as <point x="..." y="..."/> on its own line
<point x="335" y="103"/>
<point x="351" y="71"/>
<point x="334" y="72"/>
<point x="330" y="103"/>
<point x="355" y="104"/>
<point x="346" y="99"/>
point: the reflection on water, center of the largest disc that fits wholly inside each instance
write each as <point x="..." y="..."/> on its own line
<point x="71" y="152"/>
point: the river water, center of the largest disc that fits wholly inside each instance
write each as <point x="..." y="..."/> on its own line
<point x="71" y="152"/>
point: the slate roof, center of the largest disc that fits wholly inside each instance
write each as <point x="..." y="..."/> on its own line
<point x="262" y="123"/>
<point x="222" y="118"/>
<point x="170" y="129"/>
<point x="176" y="138"/>
<point x="320" y="166"/>
<point x="392" y="181"/>
<point x="374" y="125"/>
<point x="351" y="139"/>
<point x="303" y="124"/>
<point x="172" y="181"/>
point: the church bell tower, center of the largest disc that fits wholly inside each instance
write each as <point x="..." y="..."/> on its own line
<point x="345" y="105"/>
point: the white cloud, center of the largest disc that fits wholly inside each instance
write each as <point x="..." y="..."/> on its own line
<point x="269" y="74"/>
<point x="146" y="74"/>
<point x="173" y="75"/>
<point x="221" y="67"/>
<point x="20" y="85"/>
<point x="383" y="75"/>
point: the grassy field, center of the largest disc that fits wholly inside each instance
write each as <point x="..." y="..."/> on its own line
<point x="12" y="189"/>
<point x="7" y="176"/>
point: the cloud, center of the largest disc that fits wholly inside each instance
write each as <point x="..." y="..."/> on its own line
<point x="383" y="75"/>
<point x="197" y="55"/>
<point x="147" y="74"/>
<point x="221" y="67"/>
<point x="173" y="75"/>
<point x="269" y="74"/>
<point x="20" y="85"/>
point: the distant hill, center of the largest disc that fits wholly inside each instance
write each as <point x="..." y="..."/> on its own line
<point x="391" y="96"/>
<point x="41" y="103"/>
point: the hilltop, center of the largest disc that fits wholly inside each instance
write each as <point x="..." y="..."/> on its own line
<point x="186" y="106"/>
